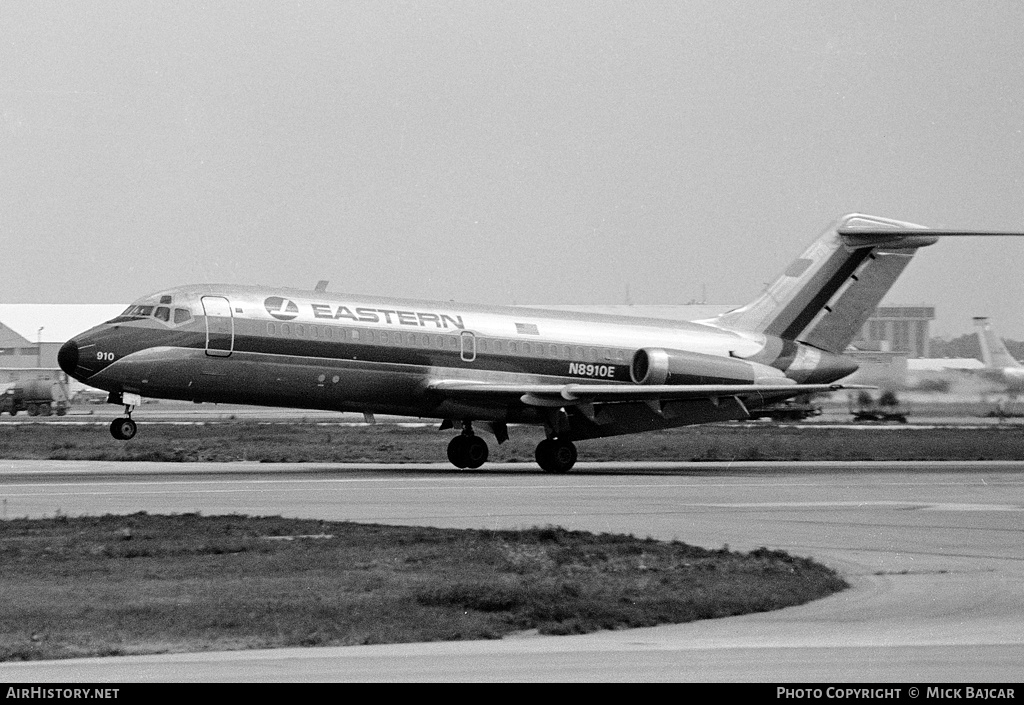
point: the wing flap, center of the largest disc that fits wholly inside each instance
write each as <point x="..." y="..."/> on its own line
<point x="548" y="395"/>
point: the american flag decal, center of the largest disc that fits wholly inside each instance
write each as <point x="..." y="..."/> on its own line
<point x="527" y="329"/>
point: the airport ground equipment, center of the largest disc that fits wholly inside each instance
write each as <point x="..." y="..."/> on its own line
<point x="886" y="408"/>
<point x="35" y="397"/>
<point x="796" y="409"/>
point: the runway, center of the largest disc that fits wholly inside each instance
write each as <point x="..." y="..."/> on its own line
<point x="933" y="551"/>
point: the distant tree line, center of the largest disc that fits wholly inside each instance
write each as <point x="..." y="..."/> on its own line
<point x="967" y="346"/>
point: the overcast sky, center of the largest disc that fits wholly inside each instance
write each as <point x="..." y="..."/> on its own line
<point x="505" y="152"/>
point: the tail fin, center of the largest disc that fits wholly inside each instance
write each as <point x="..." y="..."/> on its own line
<point x="826" y="295"/>
<point x="993" y="350"/>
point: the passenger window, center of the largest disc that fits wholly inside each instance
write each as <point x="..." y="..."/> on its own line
<point x="286" y="329"/>
<point x="163" y="313"/>
<point x="181" y="315"/>
<point x="300" y="330"/>
<point x="526" y="349"/>
<point x="272" y="329"/>
<point x="355" y="334"/>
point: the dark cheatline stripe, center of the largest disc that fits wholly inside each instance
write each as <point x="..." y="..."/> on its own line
<point x="342" y="351"/>
<point x="393" y="354"/>
<point x="797" y="315"/>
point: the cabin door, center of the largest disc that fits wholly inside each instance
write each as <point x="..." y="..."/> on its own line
<point x="220" y="326"/>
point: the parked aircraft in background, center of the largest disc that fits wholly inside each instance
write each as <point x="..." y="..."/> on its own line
<point x="1000" y="365"/>
<point x="475" y="367"/>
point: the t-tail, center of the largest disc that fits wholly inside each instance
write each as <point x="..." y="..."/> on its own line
<point x="827" y="294"/>
<point x="993" y="350"/>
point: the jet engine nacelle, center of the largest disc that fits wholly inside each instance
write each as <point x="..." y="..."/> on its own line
<point x="662" y="366"/>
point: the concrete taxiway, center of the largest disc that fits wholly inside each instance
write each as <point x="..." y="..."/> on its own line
<point x="933" y="551"/>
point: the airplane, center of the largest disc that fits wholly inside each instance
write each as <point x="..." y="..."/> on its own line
<point x="1000" y="365"/>
<point x="476" y="367"/>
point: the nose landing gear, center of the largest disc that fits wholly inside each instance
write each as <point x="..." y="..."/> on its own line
<point x="124" y="428"/>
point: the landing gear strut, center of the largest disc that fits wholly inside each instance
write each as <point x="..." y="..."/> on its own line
<point x="556" y="455"/>
<point x="467" y="450"/>
<point x="124" y="428"/>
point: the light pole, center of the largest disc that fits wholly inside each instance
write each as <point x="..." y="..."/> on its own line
<point x="39" y="347"/>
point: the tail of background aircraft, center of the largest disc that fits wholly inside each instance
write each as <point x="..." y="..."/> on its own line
<point x="993" y="350"/>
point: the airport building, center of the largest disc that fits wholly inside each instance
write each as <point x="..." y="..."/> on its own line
<point x="898" y="329"/>
<point x="31" y="336"/>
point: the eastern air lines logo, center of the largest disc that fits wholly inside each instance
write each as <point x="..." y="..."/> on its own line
<point x="281" y="309"/>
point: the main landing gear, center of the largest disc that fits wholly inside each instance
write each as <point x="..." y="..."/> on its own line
<point x="467" y="450"/>
<point x="556" y="455"/>
<point x="124" y="428"/>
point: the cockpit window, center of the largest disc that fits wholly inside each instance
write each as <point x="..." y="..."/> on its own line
<point x="138" y="311"/>
<point x="161" y="313"/>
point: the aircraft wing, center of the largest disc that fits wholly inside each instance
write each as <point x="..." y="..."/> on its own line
<point x="580" y="394"/>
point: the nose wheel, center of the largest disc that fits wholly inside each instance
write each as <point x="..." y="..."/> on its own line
<point x="124" y="428"/>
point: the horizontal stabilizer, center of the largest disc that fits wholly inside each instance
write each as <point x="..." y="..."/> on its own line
<point x="824" y="297"/>
<point x="856" y="237"/>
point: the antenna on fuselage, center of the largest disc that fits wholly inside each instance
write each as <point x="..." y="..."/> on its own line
<point x="322" y="285"/>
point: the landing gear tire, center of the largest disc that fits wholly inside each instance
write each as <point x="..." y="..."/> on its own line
<point x="556" y="455"/>
<point x="467" y="452"/>
<point x="123" y="429"/>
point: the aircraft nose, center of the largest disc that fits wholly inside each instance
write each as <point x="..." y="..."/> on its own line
<point x="67" y="357"/>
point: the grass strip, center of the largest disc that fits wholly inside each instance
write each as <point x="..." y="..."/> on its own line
<point x="318" y="442"/>
<point x="114" y="585"/>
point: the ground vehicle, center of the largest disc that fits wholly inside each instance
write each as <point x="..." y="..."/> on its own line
<point x="886" y="408"/>
<point x="795" y="409"/>
<point x="36" y="397"/>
